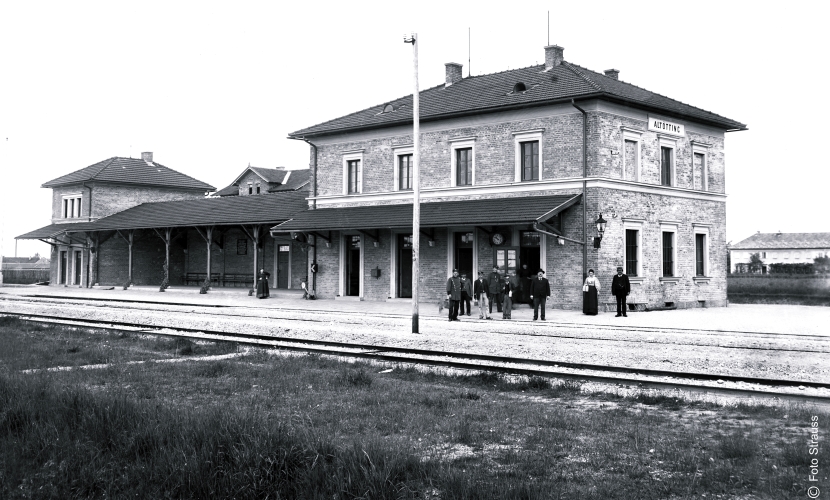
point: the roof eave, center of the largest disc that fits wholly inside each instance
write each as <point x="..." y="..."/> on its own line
<point x="727" y="125"/>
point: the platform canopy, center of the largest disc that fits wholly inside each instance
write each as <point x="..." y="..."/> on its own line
<point x="478" y="212"/>
<point x="237" y="210"/>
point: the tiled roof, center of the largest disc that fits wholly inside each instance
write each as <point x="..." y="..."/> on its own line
<point x="767" y="241"/>
<point x="44" y="232"/>
<point x="232" y="190"/>
<point x="262" y="209"/>
<point x="479" y="212"/>
<point x="494" y="92"/>
<point x="297" y="179"/>
<point x="131" y="171"/>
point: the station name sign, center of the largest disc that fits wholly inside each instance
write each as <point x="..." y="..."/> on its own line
<point x="658" y="125"/>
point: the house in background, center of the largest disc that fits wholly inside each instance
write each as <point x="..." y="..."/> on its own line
<point x="779" y="248"/>
<point x="257" y="180"/>
<point x="516" y="168"/>
<point x="24" y="270"/>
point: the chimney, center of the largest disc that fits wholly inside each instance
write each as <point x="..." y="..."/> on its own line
<point x="453" y="73"/>
<point x="554" y="55"/>
<point x="613" y="73"/>
<point x="148" y="157"/>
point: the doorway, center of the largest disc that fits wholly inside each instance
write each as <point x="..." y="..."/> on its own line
<point x="283" y="261"/>
<point x="464" y="254"/>
<point x="77" y="269"/>
<point x="353" y="266"/>
<point x="404" y="270"/>
<point x="62" y="269"/>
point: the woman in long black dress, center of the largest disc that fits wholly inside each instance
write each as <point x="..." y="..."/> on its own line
<point x="590" y="291"/>
<point x="262" y="289"/>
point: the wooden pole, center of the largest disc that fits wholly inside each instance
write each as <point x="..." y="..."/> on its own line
<point x="416" y="186"/>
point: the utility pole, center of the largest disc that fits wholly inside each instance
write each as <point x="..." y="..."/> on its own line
<point x="416" y="186"/>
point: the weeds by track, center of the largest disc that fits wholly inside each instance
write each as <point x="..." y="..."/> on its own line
<point x="615" y="375"/>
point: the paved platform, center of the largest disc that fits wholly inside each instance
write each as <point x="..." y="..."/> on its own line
<point x="782" y="319"/>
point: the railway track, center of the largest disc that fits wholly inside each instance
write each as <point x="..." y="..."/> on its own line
<point x="565" y="330"/>
<point x="697" y="383"/>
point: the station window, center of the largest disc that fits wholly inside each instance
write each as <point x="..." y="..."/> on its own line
<point x="353" y="172"/>
<point x="405" y="172"/>
<point x="463" y="161"/>
<point x="529" y="155"/>
<point x="71" y="206"/>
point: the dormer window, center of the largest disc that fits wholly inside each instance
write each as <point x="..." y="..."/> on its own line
<point x="257" y="188"/>
<point x="519" y="87"/>
<point x="388" y="108"/>
<point x="250" y="188"/>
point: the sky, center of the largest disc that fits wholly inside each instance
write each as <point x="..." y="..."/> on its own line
<point x="212" y="87"/>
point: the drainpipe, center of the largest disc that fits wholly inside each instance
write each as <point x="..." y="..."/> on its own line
<point x="313" y="207"/>
<point x="89" y="253"/>
<point x="584" y="188"/>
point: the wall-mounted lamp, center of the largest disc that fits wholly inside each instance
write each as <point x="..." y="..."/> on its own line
<point x="467" y="238"/>
<point x="600" y="222"/>
<point x="295" y="235"/>
<point x="376" y="244"/>
<point x="328" y="244"/>
<point x="185" y="251"/>
<point x="560" y="241"/>
<point x="601" y="226"/>
<point x="431" y="243"/>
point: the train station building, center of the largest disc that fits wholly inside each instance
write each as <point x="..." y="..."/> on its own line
<point x="551" y="166"/>
<point x="517" y="168"/>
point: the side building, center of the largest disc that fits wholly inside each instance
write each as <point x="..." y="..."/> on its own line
<point x="99" y="190"/>
<point x="144" y="226"/>
<point x="517" y="169"/>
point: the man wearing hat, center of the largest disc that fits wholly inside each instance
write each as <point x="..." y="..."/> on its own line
<point x="539" y="293"/>
<point x="454" y="294"/>
<point x="466" y="294"/>
<point x="620" y="288"/>
<point x="494" y="289"/>
<point x="480" y="292"/>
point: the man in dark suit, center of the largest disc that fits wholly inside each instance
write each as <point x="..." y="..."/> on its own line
<point x="454" y="294"/>
<point x="539" y="293"/>
<point x="494" y="284"/>
<point x="620" y="288"/>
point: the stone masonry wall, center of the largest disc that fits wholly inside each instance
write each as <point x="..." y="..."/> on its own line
<point x="653" y="209"/>
<point x="494" y="155"/>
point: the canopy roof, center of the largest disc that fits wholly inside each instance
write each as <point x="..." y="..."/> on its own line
<point x="479" y="212"/>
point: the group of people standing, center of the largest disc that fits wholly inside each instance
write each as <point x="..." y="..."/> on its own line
<point x="505" y="290"/>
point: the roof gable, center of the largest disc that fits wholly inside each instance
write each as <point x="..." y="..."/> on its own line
<point x="131" y="171"/>
<point x="498" y="91"/>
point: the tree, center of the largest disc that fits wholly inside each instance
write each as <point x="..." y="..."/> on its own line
<point x="822" y="264"/>
<point x="755" y="263"/>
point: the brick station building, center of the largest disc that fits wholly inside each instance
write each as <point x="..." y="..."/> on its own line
<point x="123" y="220"/>
<point x="516" y="168"/>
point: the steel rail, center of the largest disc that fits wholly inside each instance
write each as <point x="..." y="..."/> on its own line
<point x="639" y="329"/>
<point x="554" y="335"/>
<point x="375" y="352"/>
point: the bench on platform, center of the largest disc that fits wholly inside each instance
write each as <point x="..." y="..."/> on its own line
<point x="238" y="280"/>
<point x="199" y="278"/>
<point x="611" y="306"/>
